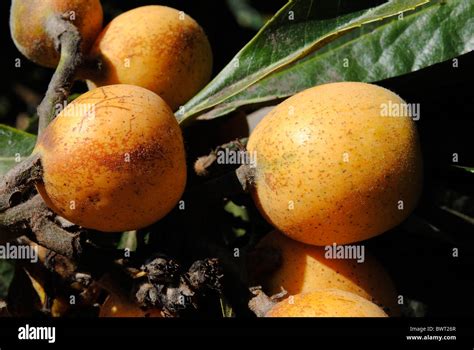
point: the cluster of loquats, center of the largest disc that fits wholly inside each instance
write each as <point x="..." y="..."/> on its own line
<point x="331" y="169"/>
<point x="114" y="160"/>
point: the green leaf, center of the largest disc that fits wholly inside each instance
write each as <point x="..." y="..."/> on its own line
<point x="226" y="308"/>
<point x="7" y="269"/>
<point x="468" y="169"/>
<point x="416" y="225"/>
<point x="414" y="308"/>
<point x="286" y="57"/>
<point x="374" y="52"/>
<point x="15" y="145"/>
<point x="238" y="211"/>
<point x="239" y="232"/>
<point x="245" y="14"/>
<point x="128" y="240"/>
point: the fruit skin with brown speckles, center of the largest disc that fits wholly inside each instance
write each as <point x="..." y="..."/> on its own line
<point x="28" y="26"/>
<point x="113" y="159"/>
<point x="332" y="168"/>
<point x="156" y="47"/>
<point x="305" y="268"/>
<point x="326" y="303"/>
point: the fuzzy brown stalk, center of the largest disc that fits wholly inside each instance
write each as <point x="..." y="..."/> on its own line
<point x="35" y="220"/>
<point x="18" y="183"/>
<point x="68" y="40"/>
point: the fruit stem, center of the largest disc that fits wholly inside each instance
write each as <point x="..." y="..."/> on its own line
<point x="261" y="303"/>
<point x="209" y="164"/>
<point x="68" y="40"/>
<point x="226" y="185"/>
<point x="18" y="183"/>
<point x="226" y="180"/>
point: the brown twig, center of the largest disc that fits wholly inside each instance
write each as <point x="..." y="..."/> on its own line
<point x="261" y="303"/>
<point x="226" y="179"/>
<point x="19" y="181"/>
<point x="68" y="40"/>
<point x="208" y="164"/>
<point x="14" y="222"/>
<point x="35" y="220"/>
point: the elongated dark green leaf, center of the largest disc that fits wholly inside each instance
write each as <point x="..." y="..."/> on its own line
<point x="429" y="35"/>
<point x="7" y="269"/>
<point x="128" y="240"/>
<point x="468" y="169"/>
<point x="369" y="45"/>
<point x="15" y="145"/>
<point x="245" y="14"/>
<point x="226" y="308"/>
